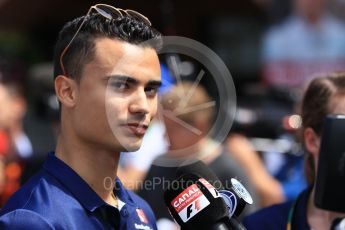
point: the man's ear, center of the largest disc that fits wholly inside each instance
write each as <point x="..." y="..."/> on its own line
<point x="66" y="90"/>
<point x="312" y="141"/>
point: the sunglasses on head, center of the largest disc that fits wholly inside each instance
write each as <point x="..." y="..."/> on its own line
<point x="109" y="12"/>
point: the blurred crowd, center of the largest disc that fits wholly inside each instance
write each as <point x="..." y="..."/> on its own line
<point x="270" y="161"/>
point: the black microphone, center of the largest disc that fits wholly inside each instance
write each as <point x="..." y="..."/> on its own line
<point x="330" y="176"/>
<point x="195" y="204"/>
<point x="235" y="196"/>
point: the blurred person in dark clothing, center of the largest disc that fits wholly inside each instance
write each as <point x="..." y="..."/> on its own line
<point x="324" y="95"/>
<point x="188" y="121"/>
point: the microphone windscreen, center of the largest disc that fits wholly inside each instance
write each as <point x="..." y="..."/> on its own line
<point x="193" y="204"/>
<point x="202" y="170"/>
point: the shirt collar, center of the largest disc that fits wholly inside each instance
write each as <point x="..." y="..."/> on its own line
<point x="78" y="187"/>
<point x="122" y="193"/>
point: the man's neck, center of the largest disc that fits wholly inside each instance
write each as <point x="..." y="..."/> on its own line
<point x="95" y="166"/>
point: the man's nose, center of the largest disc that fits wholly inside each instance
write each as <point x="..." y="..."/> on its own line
<point x="139" y="103"/>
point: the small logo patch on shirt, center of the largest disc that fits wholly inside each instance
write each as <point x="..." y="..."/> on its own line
<point x="142" y="216"/>
<point x="142" y="227"/>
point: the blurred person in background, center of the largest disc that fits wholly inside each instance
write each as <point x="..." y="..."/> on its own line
<point x="324" y="95"/>
<point x="275" y="166"/>
<point x="19" y="148"/>
<point x="187" y="131"/>
<point x="269" y="189"/>
<point x="310" y="41"/>
<point x="22" y="146"/>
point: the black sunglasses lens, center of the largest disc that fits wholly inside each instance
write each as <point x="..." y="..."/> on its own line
<point x="108" y="12"/>
<point x="138" y="16"/>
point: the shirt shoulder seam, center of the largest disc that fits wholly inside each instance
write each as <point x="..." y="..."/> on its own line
<point x="31" y="193"/>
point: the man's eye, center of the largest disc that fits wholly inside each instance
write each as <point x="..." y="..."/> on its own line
<point x="151" y="91"/>
<point x="120" y="85"/>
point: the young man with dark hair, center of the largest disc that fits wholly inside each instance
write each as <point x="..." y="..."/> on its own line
<point x="107" y="74"/>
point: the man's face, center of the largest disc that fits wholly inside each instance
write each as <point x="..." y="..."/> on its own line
<point x="117" y="96"/>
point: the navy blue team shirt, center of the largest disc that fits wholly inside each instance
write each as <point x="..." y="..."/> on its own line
<point x="58" y="198"/>
<point x="276" y="217"/>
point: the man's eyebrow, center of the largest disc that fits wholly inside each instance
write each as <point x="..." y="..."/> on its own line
<point x="123" y="78"/>
<point x="133" y="80"/>
<point x="154" y="83"/>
